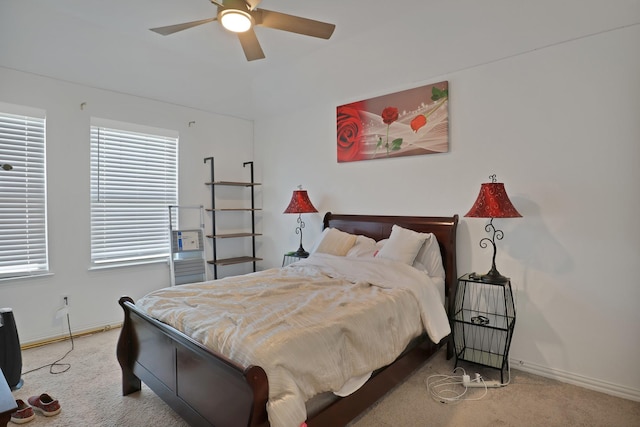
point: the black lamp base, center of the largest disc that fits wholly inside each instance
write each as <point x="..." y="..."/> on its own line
<point x="493" y="276"/>
<point x="300" y="253"/>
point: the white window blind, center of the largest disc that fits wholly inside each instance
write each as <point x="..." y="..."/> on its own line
<point x="133" y="181"/>
<point x="23" y="212"/>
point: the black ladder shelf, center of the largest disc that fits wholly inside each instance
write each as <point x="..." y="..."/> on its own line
<point x="215" y="235"/>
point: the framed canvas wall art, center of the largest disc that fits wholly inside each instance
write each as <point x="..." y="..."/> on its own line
<point x="407" y="123"/>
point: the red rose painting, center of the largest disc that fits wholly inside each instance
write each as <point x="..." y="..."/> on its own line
<point x="407" y="123"/>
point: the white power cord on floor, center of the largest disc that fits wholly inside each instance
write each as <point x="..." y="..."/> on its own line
<point x="444" y="388"/>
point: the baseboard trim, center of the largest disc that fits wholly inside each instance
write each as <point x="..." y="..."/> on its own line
<point x="578" y="380"/>
<point x="75" y="334"/>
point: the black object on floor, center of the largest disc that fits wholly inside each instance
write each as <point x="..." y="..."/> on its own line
<point x="10" y="354"/>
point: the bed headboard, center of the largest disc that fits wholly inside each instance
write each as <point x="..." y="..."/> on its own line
<point x="378" y="227"/>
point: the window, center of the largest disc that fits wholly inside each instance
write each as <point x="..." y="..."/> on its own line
<point x="133" y="181"/>
<point x="23" y="204"/>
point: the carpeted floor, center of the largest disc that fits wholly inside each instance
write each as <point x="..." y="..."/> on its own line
<point x="90" y="391"/>
<point x="90" y="395"/>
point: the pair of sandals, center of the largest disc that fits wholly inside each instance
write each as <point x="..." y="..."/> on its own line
<point x="44" y="404"/>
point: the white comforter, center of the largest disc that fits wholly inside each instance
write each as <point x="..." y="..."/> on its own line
<point x="311" y="326"/>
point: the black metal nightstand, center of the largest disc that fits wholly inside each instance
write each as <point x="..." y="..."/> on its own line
<point x="291" y="257"/>
<point x="483" y="321"/>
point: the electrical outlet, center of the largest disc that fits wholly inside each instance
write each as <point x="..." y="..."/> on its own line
<point x="64" y="307"/>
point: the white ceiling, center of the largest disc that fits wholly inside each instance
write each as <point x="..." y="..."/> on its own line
<point x="107" y="44"/>
<point x="377" y="43"/>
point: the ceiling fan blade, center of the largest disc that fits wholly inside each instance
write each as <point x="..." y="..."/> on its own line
<point x="253" y="3"/>
<point x="293" y="24"/>
<point x="170" y="29"/>
<point x="251" y="45"/>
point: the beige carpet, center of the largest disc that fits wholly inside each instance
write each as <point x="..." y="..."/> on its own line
<point x="90" y="395"/>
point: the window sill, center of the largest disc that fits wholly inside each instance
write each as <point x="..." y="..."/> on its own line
<point x="109" y="265"/>
<point x="26" y="276"/>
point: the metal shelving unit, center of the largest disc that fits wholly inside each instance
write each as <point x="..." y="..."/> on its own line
<point x="216" y="235"/>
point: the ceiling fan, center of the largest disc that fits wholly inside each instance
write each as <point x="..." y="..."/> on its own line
<point x="240" y="16"/>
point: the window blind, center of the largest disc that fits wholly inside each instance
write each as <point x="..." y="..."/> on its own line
<point x="23" y="213"/>
<point x="133" y="181"/>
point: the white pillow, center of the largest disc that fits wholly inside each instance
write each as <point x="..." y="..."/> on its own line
<point x="364" y="247"/>
<point x="429" y="257"/>
<point x="335" y="242"/>
<point x="403" y="245"/>
<point x="317" y="242"/>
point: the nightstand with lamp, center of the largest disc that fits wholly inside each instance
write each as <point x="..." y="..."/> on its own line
<point x="484" y="316"/>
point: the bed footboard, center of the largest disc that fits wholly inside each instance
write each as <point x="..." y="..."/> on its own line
<point x="204" y="388"/>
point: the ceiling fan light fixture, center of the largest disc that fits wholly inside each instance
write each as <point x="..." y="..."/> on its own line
<point x="236" y="20"/>
<point x="240" y="16"/>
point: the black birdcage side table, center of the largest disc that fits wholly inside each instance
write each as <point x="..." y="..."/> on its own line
<point x="483" y="320"/>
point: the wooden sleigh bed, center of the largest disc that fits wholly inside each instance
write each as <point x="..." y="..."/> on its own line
<point x="208" y="389"/>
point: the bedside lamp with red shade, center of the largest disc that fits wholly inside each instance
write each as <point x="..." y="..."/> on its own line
<point x="493" y="202"/>
<point x="300" y="204"/>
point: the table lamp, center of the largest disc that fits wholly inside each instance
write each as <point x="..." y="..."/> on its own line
<point x="493" y="202"/>
<point x="300" y="204"/>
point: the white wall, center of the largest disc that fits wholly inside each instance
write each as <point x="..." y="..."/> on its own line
<point x="93" y="294"/>
<point x="558" y="124"/>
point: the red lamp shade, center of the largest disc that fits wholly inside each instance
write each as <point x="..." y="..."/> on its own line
<point x="300" y="203"/>
<point x="493" y="202"/>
